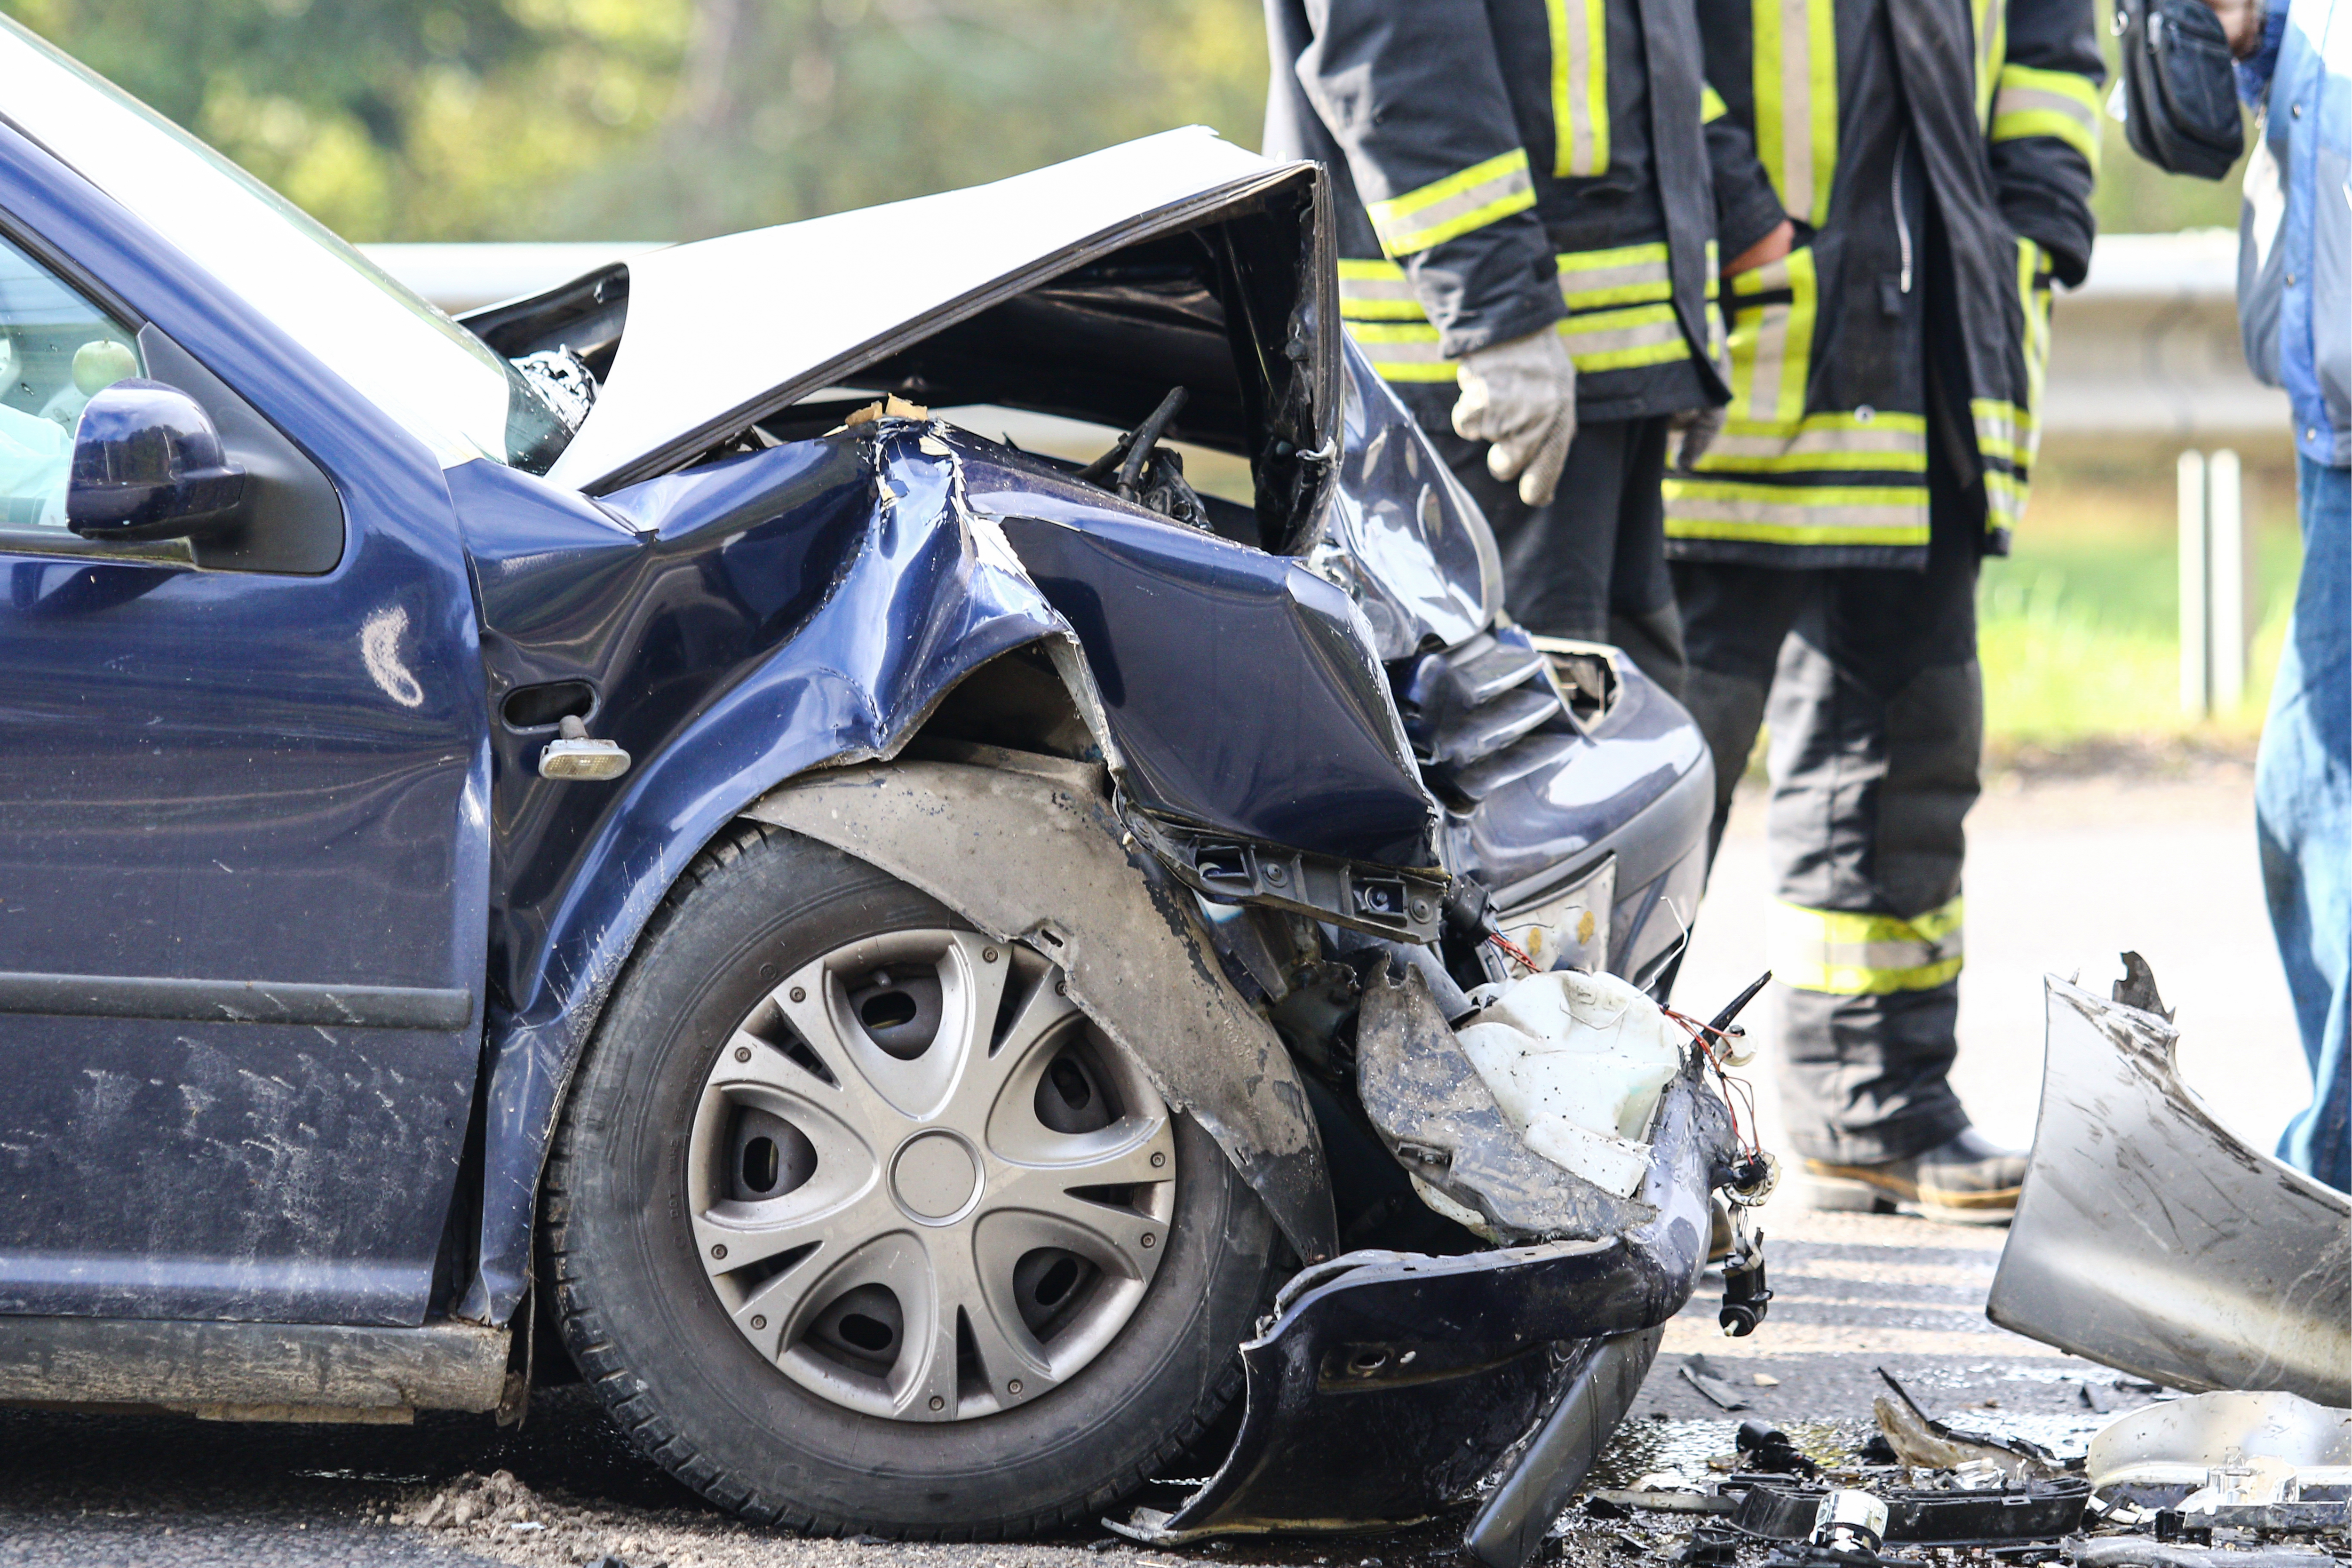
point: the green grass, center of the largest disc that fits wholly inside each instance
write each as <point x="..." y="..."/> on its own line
<point x="2078" y="630"/>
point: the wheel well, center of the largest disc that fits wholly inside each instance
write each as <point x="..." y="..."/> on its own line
<point x="1016" y="700"/>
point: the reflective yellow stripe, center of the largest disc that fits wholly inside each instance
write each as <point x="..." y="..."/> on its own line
<point x="2012" y="124"/>
<point x="1402" y="351"/>
<point x="2004" y="431"/>
<point x="1621" y="339"/>
<point x="1579" y="87"/>
<point x="1884" y="443"/>
<point x="1796" y="515"/>
<point x="1771" y="345"/>
<point x="2004" y="499"/>
<point x="2047" y="103"/>
<point x="1711" y="107"/>
<point x="1629" y="275"/>
<point x="1479" y="196"/>
<point x="2009" y="435"/>
<point x="1796" y="101"/>
<point x="1848" y="954"/>
<point x="1377" y="291"/>
<point x="2033" y="293"/>
<point x="1991" y="17"/>
<point x="1620" y="302"/>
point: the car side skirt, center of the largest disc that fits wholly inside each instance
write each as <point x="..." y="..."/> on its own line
<point x="253" y="1372"/>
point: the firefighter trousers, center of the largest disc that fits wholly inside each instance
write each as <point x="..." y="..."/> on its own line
<point x="1592" y="563"/>
<point x="1868" y="679"/>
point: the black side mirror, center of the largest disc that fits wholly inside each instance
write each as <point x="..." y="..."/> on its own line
<point x="147" y="464"/>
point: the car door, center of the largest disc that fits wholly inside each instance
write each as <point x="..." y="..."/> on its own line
<point x="243" y="854"/>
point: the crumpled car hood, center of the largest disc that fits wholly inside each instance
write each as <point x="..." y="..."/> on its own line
<point x="722" y="331"/>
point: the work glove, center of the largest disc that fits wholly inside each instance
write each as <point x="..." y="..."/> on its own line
<point x="1698" y="428"/>
<point x="1520" y="397"/>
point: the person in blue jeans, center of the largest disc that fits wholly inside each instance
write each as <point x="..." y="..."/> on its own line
<point x="2295" y="308"/>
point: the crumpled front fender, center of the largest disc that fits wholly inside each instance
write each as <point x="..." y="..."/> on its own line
<point x="1139" y="960"/>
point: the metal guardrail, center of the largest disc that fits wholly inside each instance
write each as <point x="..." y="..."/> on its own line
<point x="2147" y="346"/>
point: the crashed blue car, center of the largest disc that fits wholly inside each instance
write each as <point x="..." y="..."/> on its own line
<point x="630" y="834"/>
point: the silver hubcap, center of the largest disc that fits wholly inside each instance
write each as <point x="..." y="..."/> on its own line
<point x="923" y="1184"/>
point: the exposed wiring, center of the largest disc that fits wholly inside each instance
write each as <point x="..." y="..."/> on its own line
<point x="1512" y="951"/>
<point x="1736" y="1091"/>
<point x="1681" y="942"/>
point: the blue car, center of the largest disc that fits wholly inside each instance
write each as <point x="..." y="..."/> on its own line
<point x="627" y="835"/>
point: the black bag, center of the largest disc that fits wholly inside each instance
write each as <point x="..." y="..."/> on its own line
<point x="2181" y="93"/>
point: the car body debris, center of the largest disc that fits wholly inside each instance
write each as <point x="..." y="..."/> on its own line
<point x="2151" y="1238"/>
<point x="1713" y="1383"/>
<point x="2213" y="1480"/>
<point x="1921" y="1441"/>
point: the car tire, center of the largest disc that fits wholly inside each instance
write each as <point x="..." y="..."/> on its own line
<point x="804" y="1435"/>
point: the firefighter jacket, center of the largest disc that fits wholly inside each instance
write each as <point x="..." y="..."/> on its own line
<point x="1936" y="156"/>
<point x="1503" y="167"/>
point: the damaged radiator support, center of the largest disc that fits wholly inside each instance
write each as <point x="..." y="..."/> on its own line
<point x="1389" y="1386"/>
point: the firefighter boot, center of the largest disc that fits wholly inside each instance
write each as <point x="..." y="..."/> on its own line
<point x="1964" y="1180"/>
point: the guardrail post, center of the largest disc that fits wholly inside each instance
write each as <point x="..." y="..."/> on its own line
<point x="2225" y="577"/>
<point x="2196" y="589"/>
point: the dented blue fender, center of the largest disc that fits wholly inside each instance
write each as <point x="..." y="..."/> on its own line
<point x="811" y="605"/>
<point x="738" y="624"/>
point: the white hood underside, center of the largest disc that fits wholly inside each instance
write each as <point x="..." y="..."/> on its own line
<point x="724" y="330"/>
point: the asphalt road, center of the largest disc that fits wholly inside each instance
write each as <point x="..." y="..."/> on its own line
<point x="2063" y="876"/>
<point x="2059" y="871"/>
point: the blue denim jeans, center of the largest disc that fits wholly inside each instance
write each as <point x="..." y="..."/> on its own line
<point x="2303" y="815"/>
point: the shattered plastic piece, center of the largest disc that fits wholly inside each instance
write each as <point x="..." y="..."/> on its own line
<point x="2274" y="1519"/>
<point x="1662" y="1481"/>
<point x="1436" y="1113"/>
<point x="1850" y="1520"/>
<point x="2151" y="1238"/>
<point x="2229" y="1449"/>
<point x="891" y="408"/>
<point x="2142" y="1552"/>
<point x="1924" y="1443"/>
<point x="1576" y="1063"/>
<point x="1669" y="1501"/>
<point x="1701" y="1375"/>
<point x="1768" y="1450"/>
<point x="2038" y="1510"/>
<point x="1712" y="1546"/>
<point x="563" y="381"/>
<point x="1807" y="1555"/>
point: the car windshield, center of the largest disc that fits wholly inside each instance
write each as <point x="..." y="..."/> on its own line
<point x="446" y="386"/>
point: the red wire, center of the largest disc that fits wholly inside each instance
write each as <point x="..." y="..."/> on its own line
<point x="1698" y="1033"/>
<point x="1513" y="951"/>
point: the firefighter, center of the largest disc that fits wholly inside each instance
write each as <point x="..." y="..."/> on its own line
<point x="1526" y="258"/>
<point x="1925" y="168"/>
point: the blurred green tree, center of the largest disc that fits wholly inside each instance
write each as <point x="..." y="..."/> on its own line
<point x="394" y="118"/>
<point x="788" y="108"/>
<point x="658" y="119"/>
<point x="673" y="119"/>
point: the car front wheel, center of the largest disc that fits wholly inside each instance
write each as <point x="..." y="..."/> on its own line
<point x="858" y="1222"/>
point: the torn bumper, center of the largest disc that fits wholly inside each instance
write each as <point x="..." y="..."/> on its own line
<point x="1388" y="1385"/>
<point x="2150" y="1237"/>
